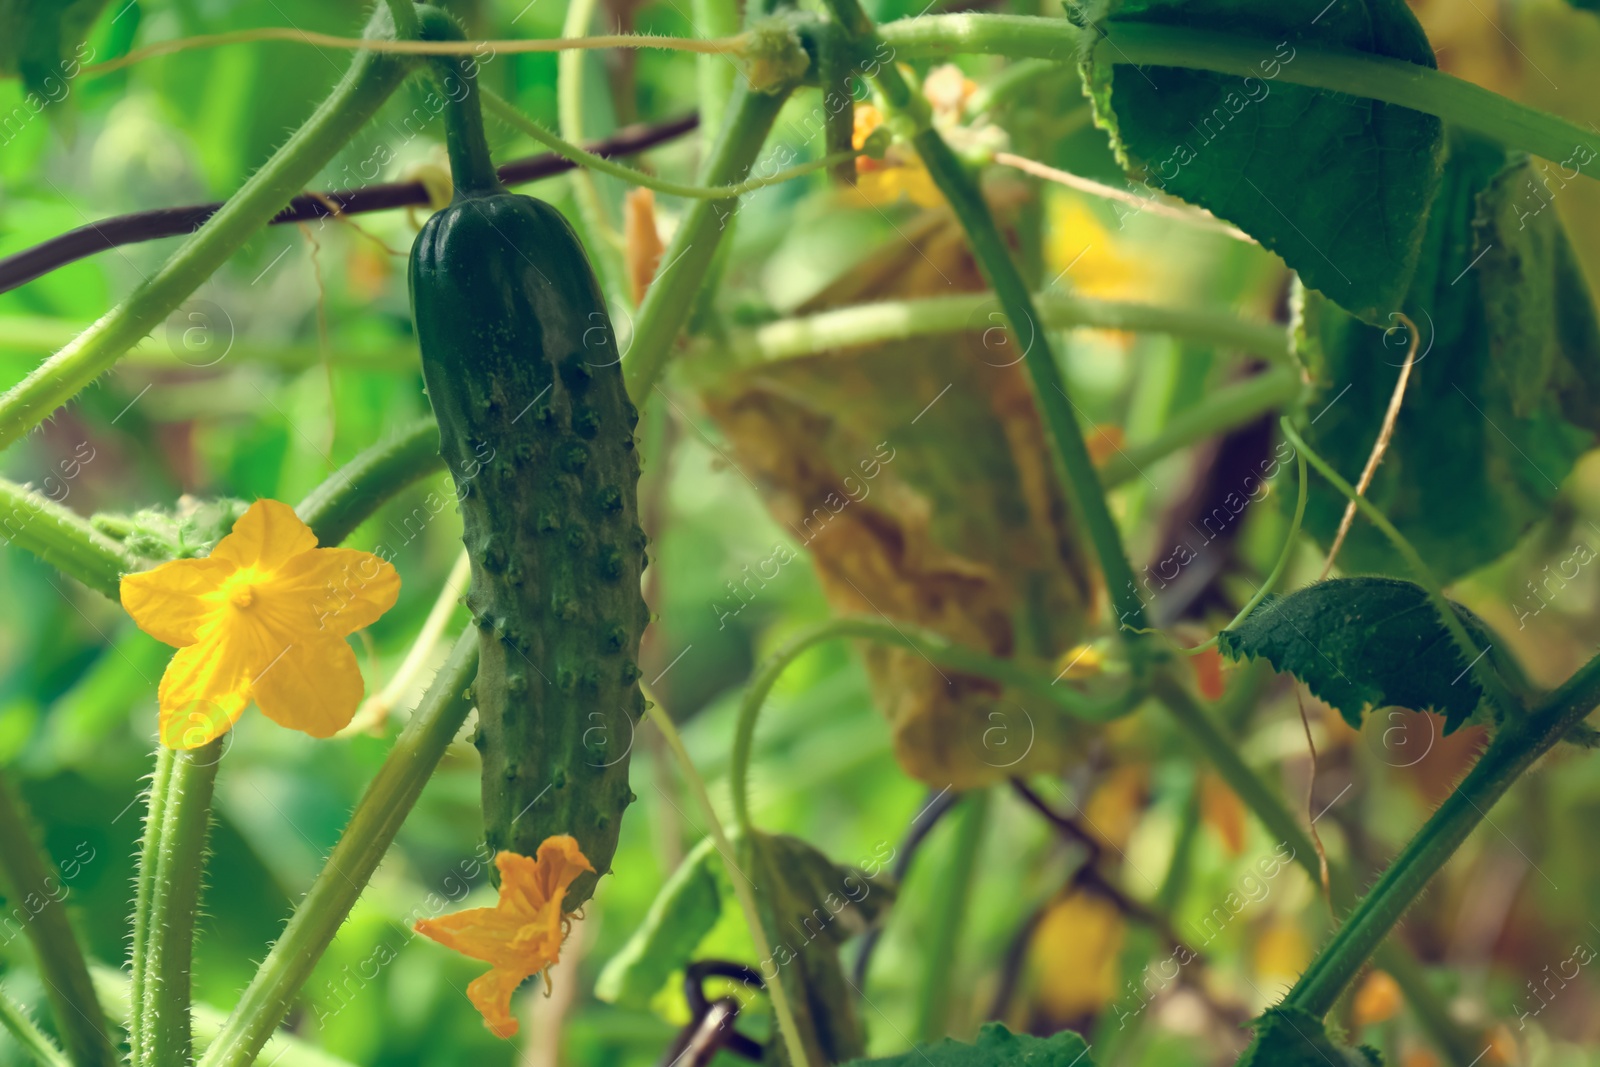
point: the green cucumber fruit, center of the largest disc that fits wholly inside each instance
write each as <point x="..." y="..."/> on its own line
<point x="537" y="430"/>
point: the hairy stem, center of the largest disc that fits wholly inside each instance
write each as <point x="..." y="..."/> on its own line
<point x="144" y="895"/>
<point x="1519" y="743"/>
<point x="60" y="538"/>
<point x="35" y="884"/>
<point x="1269" y="808"/>
<point x="371" y="78"/>
<point x="173" y="895"/>
<point x="936" y="647"/>
<point x="33" y="1040"/>
<point x="900" y="320"/>
<point x="1056" y="409"/>
<point x="372" y="828"/>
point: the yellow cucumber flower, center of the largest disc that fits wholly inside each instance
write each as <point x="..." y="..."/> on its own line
<point x="521" y="935"/>
<point x="263" y="618"/>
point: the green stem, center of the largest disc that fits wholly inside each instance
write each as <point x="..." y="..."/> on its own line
<point x="714" y="75"/>
<point x="472" y="172"/>
<point x="144" y="892"/>
<point x="283" y="1050"/>
<point x="32" y="1039"/>
<point x="936" y="647"/>
<point x="404" y="15"/>
<point x="1360" y="74"/>
<point x="173" y="895"/>
<point x="1218" y="748"/>
<point x="900" y="320"/>
<point x="1479" y="662"/>
<point x="62" y="539"/>
<point x="1055" y="405"/>
<point x="953" y="896"/>
<point x="777" y="986"/>
<point x="37" y="888"/>
<point x="676" y="286"/>
<point x="1519" y="743"/>
<point x="1225" y="409"/>
<point x="352" y="493"/>
<point x="372" y="77"/>
<point x="372" y="828"/>
<point x="634" y="176"/>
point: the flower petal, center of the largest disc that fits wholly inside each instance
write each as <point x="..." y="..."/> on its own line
<point x="266" y="536"/>
<point x="206" y="686"/>
<point x="491" y="995"/>
<point x="330" y="590"/>
<point x="529" y="885"/>
<point x="170" y="602"/>
<point x="313" y="686"/>
<point x="484" y="934"/>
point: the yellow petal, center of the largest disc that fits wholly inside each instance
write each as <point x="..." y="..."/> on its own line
<point x="491" y="995"/>
<point x="313" y="685"/>
<point x="329" y="590"/>
<point x="528" y="885"/>
<point x="170" y="602"/>
<point x="266" y="536"/>
<point x="485" y="934"/>
<point x="206" y="686"/>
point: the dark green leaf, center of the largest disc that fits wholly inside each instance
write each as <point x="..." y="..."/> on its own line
<point x="1286" y="1037"/>
<point x="1503" y="395"/>
<point x="1337" y="185"/>
<point x="996" y="1047"/>
<point x="681" y="915"/>
<point x="1361" y="643"/>
<point x="809" y="907"/>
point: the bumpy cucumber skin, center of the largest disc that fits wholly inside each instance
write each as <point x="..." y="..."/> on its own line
<point x="537" y="430"/>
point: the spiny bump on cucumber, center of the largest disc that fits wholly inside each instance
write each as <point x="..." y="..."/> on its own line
<point x="537" y="430"/>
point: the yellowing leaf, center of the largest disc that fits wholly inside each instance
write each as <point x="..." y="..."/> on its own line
<point x="852" y="451"/>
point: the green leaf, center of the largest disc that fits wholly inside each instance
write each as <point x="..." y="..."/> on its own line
<point x="809" y="907"/>
<point x="1361" y="643"/>
<point x="1337" y="185"/>
<point x="1505" y="391"/>
<point x="679" y="918"/>
<point x="42" y="40"/>
<point x="996" y="1047"/>
<point x="1288" y="1037"/>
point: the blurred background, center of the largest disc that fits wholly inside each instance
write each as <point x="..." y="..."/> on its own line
<point x="299" y="354"/>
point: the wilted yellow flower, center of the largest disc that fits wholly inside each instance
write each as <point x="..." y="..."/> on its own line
<point x="1076" y="951"/>
<point x="263" y="618"/>
<point x="522" y="934"/>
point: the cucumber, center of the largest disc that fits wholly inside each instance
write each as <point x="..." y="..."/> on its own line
<point x="537" y="430"/>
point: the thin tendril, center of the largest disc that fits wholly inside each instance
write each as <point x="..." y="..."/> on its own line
<point x="717" y="46"/>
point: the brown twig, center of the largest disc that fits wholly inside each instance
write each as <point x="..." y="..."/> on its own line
<point x="118" y="230"/>
<point x="1380" y="446"/>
